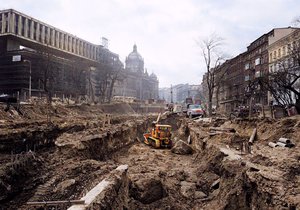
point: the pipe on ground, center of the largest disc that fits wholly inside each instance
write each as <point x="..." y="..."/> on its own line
<point x="281" y="144"/>
<point x="285" y="140"/>
<point x="253" y="135"/>
<point x="272" y="144"/>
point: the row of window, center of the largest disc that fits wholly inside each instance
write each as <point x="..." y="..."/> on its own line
<point x="283" y="50"/>
<point x="287" y="63"/>
<point x="31" y="29"/>
<point x="257" y="61"/>
<point x="256" y="75"/>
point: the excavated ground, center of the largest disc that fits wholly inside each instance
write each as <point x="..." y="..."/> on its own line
<point x="218" y="175"/>
<point x="65" y="157"/>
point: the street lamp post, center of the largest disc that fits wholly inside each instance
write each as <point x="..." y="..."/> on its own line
<point x="29" y="94"/>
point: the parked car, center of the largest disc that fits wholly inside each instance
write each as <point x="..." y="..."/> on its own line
<point x="195" y="110"/>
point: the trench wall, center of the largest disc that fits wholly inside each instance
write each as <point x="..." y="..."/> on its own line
<point x="101" y="144"/>
<point x="110" y="193"/>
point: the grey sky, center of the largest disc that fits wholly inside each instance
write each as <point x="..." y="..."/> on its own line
<point x="164" y="30"/>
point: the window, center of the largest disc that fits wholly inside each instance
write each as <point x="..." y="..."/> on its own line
<point x="283" y="51"/>
<point x="274" y="55"/>
<point x="247" y="66"/>
<point x="289" y="48"/>
<point x="271" y="57"/>
<point x="257" y="61"/>
<point x="257" y="74"/>
<point x="247" y="78"/>
<point x="279" y="53"/>
<point x="271" y="69"/>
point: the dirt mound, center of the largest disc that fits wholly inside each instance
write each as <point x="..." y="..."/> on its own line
<point x="117" y="108"/>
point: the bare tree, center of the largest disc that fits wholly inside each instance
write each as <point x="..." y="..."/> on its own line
<point x="117" y="74"/>
<point x="213" y="58"/>
<point x="102" y="81"/>
<point x="296" y="21"/>
<point x="77" y="76"/>
<point x="49" y="68"/>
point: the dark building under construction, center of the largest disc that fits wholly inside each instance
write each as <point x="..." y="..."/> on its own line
<point x="38" y="59"/>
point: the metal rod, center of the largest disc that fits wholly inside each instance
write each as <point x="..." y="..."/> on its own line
<point x="55" y="202"/>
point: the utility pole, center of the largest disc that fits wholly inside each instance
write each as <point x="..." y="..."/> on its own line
<point x="171" y="94"/>
<point x="29" y="88"/>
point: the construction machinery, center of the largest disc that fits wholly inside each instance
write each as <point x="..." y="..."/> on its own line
<point x="160" y="135"/>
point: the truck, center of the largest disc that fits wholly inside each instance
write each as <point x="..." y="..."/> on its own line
<point x="186" y="103"/>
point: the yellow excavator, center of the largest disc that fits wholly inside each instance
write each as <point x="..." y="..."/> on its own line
<point x="160" y="135"/>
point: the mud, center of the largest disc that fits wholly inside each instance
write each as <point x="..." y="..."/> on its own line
<point x="69" y="151"/>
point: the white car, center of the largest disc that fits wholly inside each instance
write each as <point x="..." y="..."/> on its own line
<point x="195" y="110"/>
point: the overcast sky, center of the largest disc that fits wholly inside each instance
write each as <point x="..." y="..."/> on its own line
<point x="164" y="30"/>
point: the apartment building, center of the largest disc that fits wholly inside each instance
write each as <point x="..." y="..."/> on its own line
<point x="243" y="75"/>
<point x="284" y="57"/>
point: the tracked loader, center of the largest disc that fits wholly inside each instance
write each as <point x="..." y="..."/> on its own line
<point x="159" y="136"/>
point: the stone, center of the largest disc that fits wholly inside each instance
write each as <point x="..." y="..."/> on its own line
<point x="188" y="189"/>
<point x="200" y="195"/>
<point x="182" y="148"/>
<point x="62" y="186"/>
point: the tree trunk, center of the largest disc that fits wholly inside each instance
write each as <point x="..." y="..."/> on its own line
<point x="217" y="97"/>
<point x="250" y="107"/>
<point x="209" y="104"/>
<point x="111" y="90"/>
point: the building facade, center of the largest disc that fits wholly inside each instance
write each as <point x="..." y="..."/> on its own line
<point x="246" y="74"/>
<point x="178" y="93"/>
<point x="284" y="57"/>
<point x="137" y="82"/>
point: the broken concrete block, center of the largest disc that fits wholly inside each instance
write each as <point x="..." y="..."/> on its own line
<point x="188" y="189"/>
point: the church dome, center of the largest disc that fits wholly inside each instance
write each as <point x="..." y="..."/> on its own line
<point x="134" y="55"/>
<point x="134" y="61"/>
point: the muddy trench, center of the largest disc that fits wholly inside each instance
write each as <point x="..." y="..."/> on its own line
<point x="61" y="162"/>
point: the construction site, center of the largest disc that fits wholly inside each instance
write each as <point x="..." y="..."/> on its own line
<point x="94" y="157"/>
<point x="80" y="130"/>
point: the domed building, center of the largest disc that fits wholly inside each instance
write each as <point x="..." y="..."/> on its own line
<point x="135" y="62"/>
<point x="137" y="82"/>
